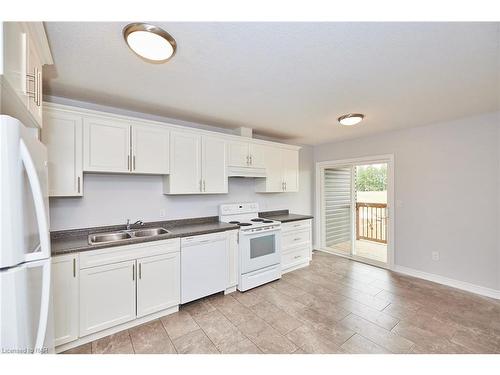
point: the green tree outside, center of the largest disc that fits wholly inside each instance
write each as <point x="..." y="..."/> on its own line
<point x="371" y="178"/>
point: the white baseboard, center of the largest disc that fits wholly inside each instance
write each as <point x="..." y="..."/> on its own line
<point x="473" y="288"/>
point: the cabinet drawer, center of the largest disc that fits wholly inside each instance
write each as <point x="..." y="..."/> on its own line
<point x="291" y="258"/>
<point x="128" y="252"/>
<point x="294" y="238"/>
<point x="296" y="225"/>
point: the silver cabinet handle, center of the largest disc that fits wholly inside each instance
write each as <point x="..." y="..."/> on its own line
<point x="297" y="239"/>
<point x="133" y="272"/>
<point x="133" y="163"/>
<point x="39" y="88"/>
<point x="128" y="162"/>
<point x="285" y="186"/>
<point x="251" y="160"/>
<point x="201" y="185"/>
<point x="296" y="256"/>
<point x="140" y="271"/>
<point x="248" y="160"/>
<point x="78" y="183"/>
<point x="32" y="78"/>
<point x="74" y="267"/>
<point x="204" y="188"/>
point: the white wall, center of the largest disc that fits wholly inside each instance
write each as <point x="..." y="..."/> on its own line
<point x="447" y="180"/>
<point x="111" y="199"/>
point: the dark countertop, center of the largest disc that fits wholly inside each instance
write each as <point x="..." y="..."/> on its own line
<point x="284" y="216"/>
<point x="76" y="240"/>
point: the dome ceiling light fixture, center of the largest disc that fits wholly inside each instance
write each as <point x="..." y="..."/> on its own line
<point x="351" y="119"/>
<point x="150" y="42"/>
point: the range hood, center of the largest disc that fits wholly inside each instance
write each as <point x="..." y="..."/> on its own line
<point x="246" y="172"/>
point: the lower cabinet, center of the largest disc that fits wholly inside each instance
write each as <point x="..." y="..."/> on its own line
<point x="158" y="283"/>
<point x="99" y="289"/>
<point x="296" y="244"/>
<point x="65" y="284"/>
<point x="107" y="296"/>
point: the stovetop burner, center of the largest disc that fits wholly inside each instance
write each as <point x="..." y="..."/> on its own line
<point x="234" y="222"/>
<point x="257" y="220"/>
<point x="267" y="221"/>
<point x="244" y="224"/>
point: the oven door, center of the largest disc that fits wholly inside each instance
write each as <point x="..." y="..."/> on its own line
<point x="260" y="249"/>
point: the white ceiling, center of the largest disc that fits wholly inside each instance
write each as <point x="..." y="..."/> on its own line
<point x="287" y="80"/>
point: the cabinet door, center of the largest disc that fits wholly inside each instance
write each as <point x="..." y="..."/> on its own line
<point x="238" y="154"/>
<point x="106" y="145"/>
<point x="257" y="155"/>
<point x="65" y="286"/>
<point x="158" y="283"/>
<point x="232" y="238"/>
<point x="15" y="57"/>
<point x="185" y="164"/>
<point x="214" y="170"/>
<point x="273" y="183"/>
<point x="63" y="136"/>
<point x="150" y="149"/>
<point x="291" y="170"/>
<point x="107" y="296"/>
<point x="34" y="82"/>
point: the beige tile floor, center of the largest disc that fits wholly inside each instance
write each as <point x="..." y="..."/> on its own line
<point x="333" y="306"/>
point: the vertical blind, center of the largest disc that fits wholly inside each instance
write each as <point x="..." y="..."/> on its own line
<point x="337" y="205"/>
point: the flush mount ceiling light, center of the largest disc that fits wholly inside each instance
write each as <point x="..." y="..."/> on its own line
<point x="150" y="42"/>
<point x="351" y="119"/>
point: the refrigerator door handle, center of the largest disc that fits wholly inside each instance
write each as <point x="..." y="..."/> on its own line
<point x="43" y="226"/>
<point x="44" y="309"/>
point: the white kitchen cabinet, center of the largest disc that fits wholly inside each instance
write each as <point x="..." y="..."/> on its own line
<point x="296" y="244"/>
<point x="65" y="287"/>
<point x="244" y="154"/>
<point x="107" y="296"/>
<point x="197" y="165"/>
<point x="213" y="161"/>
<point x="185" y="164"/>
<point x="63" y="135"/>
<point x="282" y="170"/>
<point x="238" y="153"/>
<point x="150" y="149"/>
<point x="34" y="82"/>
<point x="233" y="250"/>
<point x="25" y="52"/>
<point x="158" y="283"/>
<point x="15" y="56"/>
<point x="106" y="145"/>
<point x="290" y="170"/>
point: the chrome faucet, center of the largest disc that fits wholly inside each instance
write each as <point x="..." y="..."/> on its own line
<point x="139" y="222"/>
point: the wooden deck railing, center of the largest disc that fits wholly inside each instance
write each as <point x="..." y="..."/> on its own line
<point x="371" y="222"/>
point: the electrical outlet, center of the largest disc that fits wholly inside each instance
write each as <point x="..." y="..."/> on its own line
<point x="435" y="255"/>
<point x="163" y="213"/>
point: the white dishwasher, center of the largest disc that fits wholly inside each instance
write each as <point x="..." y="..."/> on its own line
<point x="204" y="265"/>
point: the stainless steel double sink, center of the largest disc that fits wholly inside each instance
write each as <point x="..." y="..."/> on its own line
<point x="124" y="235"/>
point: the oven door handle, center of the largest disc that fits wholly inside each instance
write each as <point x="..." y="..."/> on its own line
<point x="259" y="231"/>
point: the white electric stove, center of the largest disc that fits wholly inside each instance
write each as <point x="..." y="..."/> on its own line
<point x="259" y="244"/>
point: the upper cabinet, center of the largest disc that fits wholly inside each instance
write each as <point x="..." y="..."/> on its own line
<point x="121" y="146"/>
<point x="150" y="149"/>
<point x="106" y="145"/>
<point x="282" y="169"/>
<point x="198" y="165"/>
<point x="213" y="156"/>
<point x="191" y="161"/>
<point x="26" y="51"/>
<point x="185" y="164"/>
<point x="63" y="136"/>
<point x="244" y="159"/>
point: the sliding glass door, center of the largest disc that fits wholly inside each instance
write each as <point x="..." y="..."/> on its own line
<point x="354" y="211"/>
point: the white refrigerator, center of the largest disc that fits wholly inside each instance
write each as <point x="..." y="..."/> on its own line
<point x="25" y="277"/>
